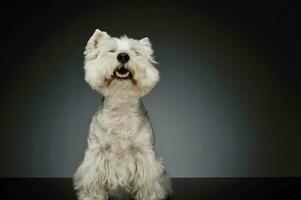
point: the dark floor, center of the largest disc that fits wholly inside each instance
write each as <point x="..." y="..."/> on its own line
<point x="184" y="188"/>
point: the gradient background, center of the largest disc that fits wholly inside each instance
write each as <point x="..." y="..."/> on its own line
<point x="228" y="103"/>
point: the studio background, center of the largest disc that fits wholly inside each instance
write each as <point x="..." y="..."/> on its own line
<point x="227" y="105"/>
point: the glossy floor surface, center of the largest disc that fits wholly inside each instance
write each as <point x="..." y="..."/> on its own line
<point x="184" y="188"/>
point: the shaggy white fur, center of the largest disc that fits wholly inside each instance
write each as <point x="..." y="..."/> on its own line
<point x="120" y="161"/>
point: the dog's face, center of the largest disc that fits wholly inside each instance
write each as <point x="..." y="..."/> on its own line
<point x="120" y="66"/>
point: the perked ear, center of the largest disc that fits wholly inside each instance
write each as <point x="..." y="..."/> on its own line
<point x="145" y="41"/>
<point x="95" y="39"/>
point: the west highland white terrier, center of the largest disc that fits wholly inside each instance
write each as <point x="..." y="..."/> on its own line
<point x="120" y="161"/>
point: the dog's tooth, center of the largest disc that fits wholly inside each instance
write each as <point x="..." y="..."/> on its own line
<point x="122" y="75"/>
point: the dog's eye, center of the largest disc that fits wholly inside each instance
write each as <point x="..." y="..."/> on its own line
<point x="136" y="52"/>
<point x="112" y="51"/>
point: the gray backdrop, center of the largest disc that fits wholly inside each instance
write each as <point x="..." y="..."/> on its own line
<point x="221" y="108"/>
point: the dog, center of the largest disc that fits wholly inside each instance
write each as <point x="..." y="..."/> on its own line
<point x="120" y="161"/>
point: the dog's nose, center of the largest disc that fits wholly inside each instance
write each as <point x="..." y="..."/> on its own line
<point x="123" y="57"/>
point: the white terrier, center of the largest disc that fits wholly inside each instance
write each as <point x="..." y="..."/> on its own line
<point x="120" y="161"/>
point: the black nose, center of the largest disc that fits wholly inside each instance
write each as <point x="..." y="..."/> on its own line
<point x="123" y="57"/>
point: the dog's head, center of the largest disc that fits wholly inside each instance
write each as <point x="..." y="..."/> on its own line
<point x="120" y="66"/>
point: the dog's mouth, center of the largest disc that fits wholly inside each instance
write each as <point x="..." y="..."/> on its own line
<point x="122" y="73"/>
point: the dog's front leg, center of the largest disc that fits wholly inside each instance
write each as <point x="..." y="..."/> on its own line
<point x="151" y="181"/>
<point x="89" y="179"/>
<point x="92" y="195"/>
<point x="154" y="189"/>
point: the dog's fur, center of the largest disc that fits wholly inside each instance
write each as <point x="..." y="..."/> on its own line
<point x="120" y="160"/>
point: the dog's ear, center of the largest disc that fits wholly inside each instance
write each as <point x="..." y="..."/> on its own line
<point x="145" y="41"/>
<point x="95" y="39"/>
<point x="147" y="46"/>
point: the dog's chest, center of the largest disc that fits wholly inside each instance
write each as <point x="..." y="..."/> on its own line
<point x="120" y="127"/>
<point x="120" y="121"/>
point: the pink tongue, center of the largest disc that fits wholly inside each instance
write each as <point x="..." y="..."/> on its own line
<point x="122" y="75"/>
